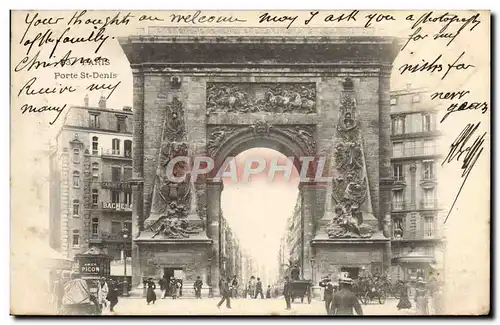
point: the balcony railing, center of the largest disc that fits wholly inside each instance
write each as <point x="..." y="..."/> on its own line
<point x="428" y="204"/>
<point x="398" y="205"/>
<point x="104" y="235"/>
<point x="416" y="151"/>
<point x="116" y="185"/>
<point x="116" y="153"/>
<point x="399" y="178"/>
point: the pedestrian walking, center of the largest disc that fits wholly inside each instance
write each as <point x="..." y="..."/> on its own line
<point x="144" y="288"/>
<point x="404" y="296"/>
<point x="287" y="293"/>
<point x="163" y="287"/>
<point x="198" y="284"/>
<point x="268" y="292"/>
<point x="345" y="301"/>
<point x="58" y="292"/>
<point x="251" y="286"/>
<point x="327" y="286"/>
<point x="102" y="292"/>
<point x="258" y="289"/>
<point x="151" y="294"/>
<point x="113" y="295"/>
<point x="421" y="297"/>
<point x="177" y="289"/>
<point x="234" y="287"/>
<point x="225" y="293"/>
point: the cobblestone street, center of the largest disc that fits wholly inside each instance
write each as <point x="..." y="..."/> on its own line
<point x="208" y="306"/>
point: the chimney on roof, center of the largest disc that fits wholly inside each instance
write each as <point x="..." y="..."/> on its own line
<point x="127" y="108"/>
<point x="86" y="100"/>
<point x="102" y="102"/>
<point x="408" y="86"/>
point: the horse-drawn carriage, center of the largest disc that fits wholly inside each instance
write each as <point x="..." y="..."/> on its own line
<point x="301" y="289"/>
<point x="368" y="290"/>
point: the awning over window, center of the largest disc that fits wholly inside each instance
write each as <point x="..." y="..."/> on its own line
<point x="414" y="257"/>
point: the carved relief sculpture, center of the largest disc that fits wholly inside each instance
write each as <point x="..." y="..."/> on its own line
<point x="172" y="200"/>
<point x="251" y="98"/>
<point x="350" y="188"/>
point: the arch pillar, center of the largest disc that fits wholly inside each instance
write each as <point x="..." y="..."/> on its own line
<point x="312" y="200"/>
<point x="214" y="191"/>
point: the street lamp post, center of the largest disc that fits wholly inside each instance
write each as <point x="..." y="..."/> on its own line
<point x="209" y="280"/>
<point x="125" y="283"/>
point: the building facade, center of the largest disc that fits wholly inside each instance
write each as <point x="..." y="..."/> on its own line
<point x="90" y="200"/>
<point x="416" y="233"/>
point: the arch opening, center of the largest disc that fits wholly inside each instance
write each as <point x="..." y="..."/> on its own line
<point x="257" y="212"/>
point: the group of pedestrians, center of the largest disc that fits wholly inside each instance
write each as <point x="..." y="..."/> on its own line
<point x="339" y="298"/>
<point x="427" y="297"/>
<point x="170" y="287"/>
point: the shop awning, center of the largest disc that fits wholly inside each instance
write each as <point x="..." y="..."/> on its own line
<point x="414" y="257"/>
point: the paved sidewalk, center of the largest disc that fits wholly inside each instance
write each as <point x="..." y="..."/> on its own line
<point x="208" y="306"/>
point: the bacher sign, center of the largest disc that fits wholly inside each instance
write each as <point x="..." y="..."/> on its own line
<point x="116" y="206"/>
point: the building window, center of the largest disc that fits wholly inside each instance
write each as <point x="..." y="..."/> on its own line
<point x="398" y="228"/>
<point x="429" y="250"/>
<point x="410" y="148"/>
<point x="397" y="200"/>
<point x="94" y="120"/>
<point x="121" y="126"/>
<point x="428" y="169"/>
<point x="116" y="174"/>
<point x="415" y="98"/>
<point x="428" y="227"/>
<point x="397" y="170"/>
<point x="76" y="156"/>
<point x="414" y="274"/>
<point x="95" y="145"/>
<point x="397" y="149"/>
<point x="128" y="225"/>
<point x="76" y="179"/>
<point x="429" y="200"/>
<point x="394" y="101"/>
<point x="429" y="147"/>
<point x="398" y="125"/>
<point x="76" y="238"/>
<point x="76" y="208"/>
<point x="427" y="122"/>
<point x="95" y="226"/>
<point x="127" y="173"/>
<point x="128" y="197"/>
<point x="95" y="196"/>
<point x="128" y="148"/>
<point x="116" y="147"/>
<point x="95" y="170"/>
<point x="116" y="227"/>
<point x="115" y="196"/>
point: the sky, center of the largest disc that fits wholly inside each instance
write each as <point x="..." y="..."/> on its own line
<point x="257" y="210"/>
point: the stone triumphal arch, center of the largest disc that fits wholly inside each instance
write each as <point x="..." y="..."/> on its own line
<point x="315" y="96"/>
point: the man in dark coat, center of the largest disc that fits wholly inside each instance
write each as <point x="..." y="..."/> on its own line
<point x="225" y="292"/>
<point x="197" y="287"/>
<point x="287" y="293"/>
<point x="344" y="300"/>
<point x="258" y="289"/>
<point x="327" y="284"/>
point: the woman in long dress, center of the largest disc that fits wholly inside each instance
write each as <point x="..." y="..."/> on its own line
<point x="404" y="301"/>
<point x="421" y="298"/>
<point x="151" y="294"/>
